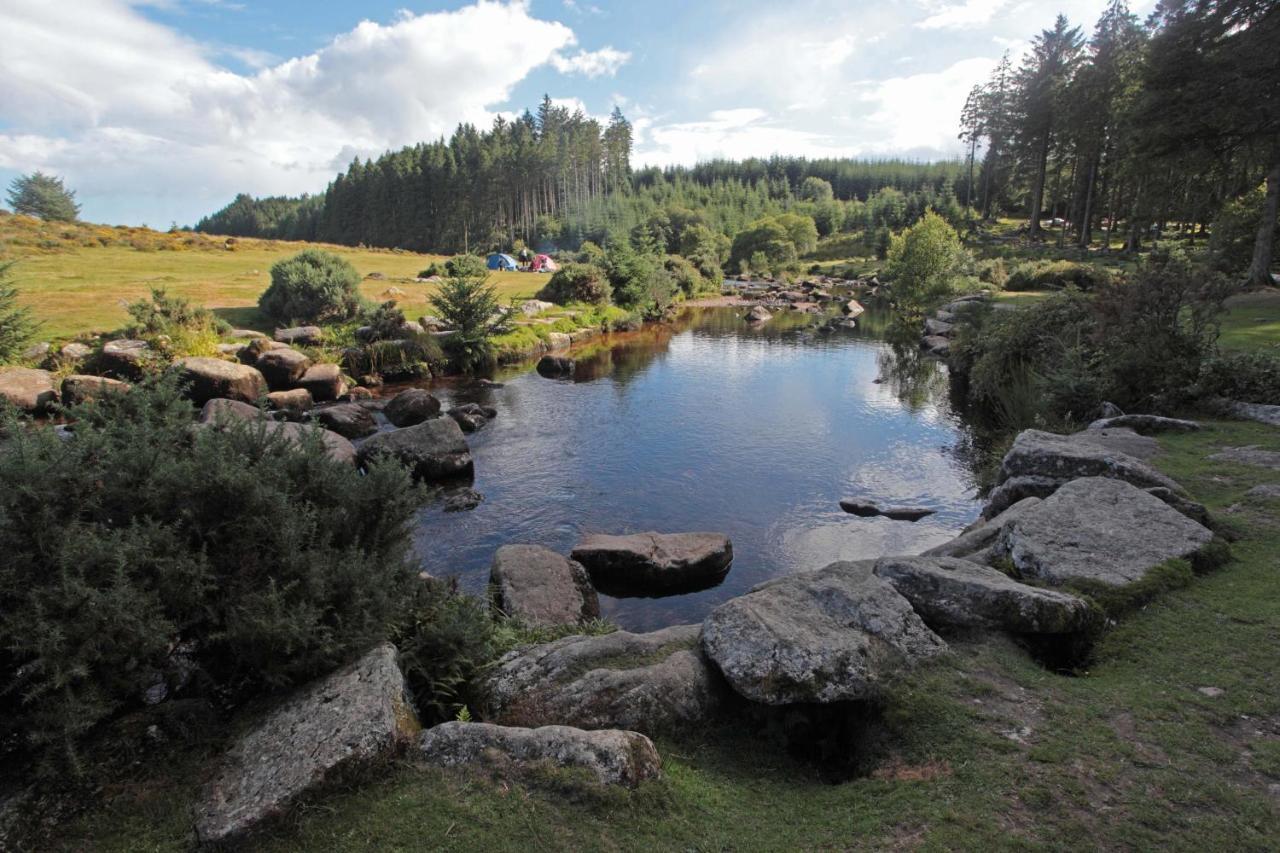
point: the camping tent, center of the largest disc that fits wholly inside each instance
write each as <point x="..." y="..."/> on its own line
<point x="499" y="261"/>
<point x="543" y="263"/>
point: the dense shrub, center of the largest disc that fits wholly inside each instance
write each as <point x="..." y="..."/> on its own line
<point x="175" y="325"/>
<point x="1056" y="275"/>
<point x="638" y="280"/>
<point x="444" y="638"/>
<point x="585" y="283"/>
<point x="310" y="287"/>
<point x="1251" y="377"/>
<point x="992" y="271"/>
<point x="765" y="246"/>
<point x="924" y="262"/>
<point x="223" y="562"/>
<point x="1155" y="331"/>
<point x="435" y="268"/>
<point x="16" y="324"/>
<point x="686" y="277"/>
<point x="468" y="304"/>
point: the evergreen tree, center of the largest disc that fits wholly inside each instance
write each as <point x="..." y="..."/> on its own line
<point x="43" y="196"/>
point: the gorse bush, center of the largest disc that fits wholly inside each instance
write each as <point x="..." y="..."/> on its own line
<point x="266" y="562"/>
<point x="577" y="282"/>
<point x="16" y="323"/>
<point x="174" y="324"/>
<point x="313" y="286"/>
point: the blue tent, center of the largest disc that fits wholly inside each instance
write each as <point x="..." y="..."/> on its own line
<point x="499" y="261"/>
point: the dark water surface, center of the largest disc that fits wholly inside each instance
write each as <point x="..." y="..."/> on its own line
<point x="712" y="425"/>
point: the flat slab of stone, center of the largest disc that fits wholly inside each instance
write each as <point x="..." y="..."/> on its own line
<point x="654" y="563"/>
<point x="1098" y="529"/>
<point x="1253" y="456"/>
<point x="411" y="407"/>
<point x="125" y="358"/>
<point x="300" y="335"/>
<point x="432" y="450"/>
<point x="540" y="587"/>
<point x="293" y="403"/>
<point x="953" y="592"/>
<point x="1145" y="424"/>
<point x="1085" y="454"/>
<point x="866" y="509"/>
<point x="613" y="757"/>
<point x="209" y="378"/>
<point x="982" y="535"/>
<point x="354" y="715"/>
<point x="652" y="682"/>
<point x="556" y="367"/>
<point x="80" y="388"/>
<point x="1259" y="412"/>
<point x="833" y="635"/>
<point x="349" y="420"/>
<point x="27" y="389"/>
<point x="220" y="409"/>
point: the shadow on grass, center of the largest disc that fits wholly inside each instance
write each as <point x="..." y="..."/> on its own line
<point x="247" y="317"/>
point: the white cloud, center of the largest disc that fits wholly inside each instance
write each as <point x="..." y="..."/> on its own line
<point x="128" y="109"/>
<point x="592" y="63"/>
<point x="958" y="15"/>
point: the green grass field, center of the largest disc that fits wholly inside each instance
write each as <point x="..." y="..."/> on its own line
<point x="77" y="289"/>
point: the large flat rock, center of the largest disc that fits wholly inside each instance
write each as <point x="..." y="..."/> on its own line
<point x="978" y="538"/>
<point x="1252" y="455"/>
<point x="432" y="450"/>
<point x="613" y="757"/>
<point x="282" y="367"/>
<point x="349" y="420"/>
<point x="1098" y="529"/>
<point x="832" y="635"/>
<point x="1091" y="453"/>
<point x="80" y="388"/>
<point x="654" y="563"/>
<point x="210" y="378"/>
<point x="654" y="682"/>
<point x="948" y="591"/>
<point x="540" y="587"/>
<point x="354" y="715"/>
<point x="29" y="390"/>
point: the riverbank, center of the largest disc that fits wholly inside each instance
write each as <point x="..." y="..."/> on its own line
<point x="1170" y="739"/>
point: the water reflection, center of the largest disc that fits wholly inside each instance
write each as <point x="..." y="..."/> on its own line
<point x="756" y="432"/>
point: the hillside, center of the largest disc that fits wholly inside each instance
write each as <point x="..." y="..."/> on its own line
<point x="77" y="277"/>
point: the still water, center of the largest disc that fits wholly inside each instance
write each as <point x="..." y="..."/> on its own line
<point x="712" y="425"/>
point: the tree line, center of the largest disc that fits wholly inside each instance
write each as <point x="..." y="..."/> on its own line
<point x="1139" y="127"/>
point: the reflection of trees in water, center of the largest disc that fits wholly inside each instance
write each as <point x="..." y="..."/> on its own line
<point x="915" y="378"/>
<point x="622" y="357"/>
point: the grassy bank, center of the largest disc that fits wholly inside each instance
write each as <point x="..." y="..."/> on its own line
<point x="984" y="750"/>
<point x="77" y="277"/>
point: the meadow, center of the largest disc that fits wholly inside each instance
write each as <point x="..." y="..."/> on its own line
<point x="77" y="277"/>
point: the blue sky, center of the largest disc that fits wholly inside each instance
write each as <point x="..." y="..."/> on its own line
<point x="158" y="111"/>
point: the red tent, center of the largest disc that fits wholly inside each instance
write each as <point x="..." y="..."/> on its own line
<point x="543" y="263"/>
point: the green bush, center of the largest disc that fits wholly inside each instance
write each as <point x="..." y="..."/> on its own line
<point x="685" y="275"/>
<point x="434" y="269"/>
<point x="174" y="325"/>
<point x="313" y="286"/>
<point x="992" y="271"/>
<point x="1251" y="377"/>
<point x="16" y="324"/>
<point x="468" y="304"/>
<point x="639" y="282"/>
<point x="585" y="283"/>
<point x="1056" y="275"/>
<point x="924" y="262"/>
<point x="1235" y="231"/>
<point x="136" y="548"/>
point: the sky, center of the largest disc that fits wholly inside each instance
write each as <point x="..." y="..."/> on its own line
<point x="161" y="111"/>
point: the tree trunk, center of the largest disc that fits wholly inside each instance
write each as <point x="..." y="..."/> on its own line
<point x="1037" y="192"/>
<point x="1086" y="220"/>
<point x="1260" y="269"/>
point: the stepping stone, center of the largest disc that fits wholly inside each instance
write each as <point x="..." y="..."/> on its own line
<point x="539" y="587"/>
<point x="654" y="563"/>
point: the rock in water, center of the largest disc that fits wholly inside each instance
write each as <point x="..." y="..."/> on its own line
<point x="953" y="592"/>
<point x="655" y="563"/>
<point x="471" y="416"/>
<point x="412" y="407"/>
<point x="655" y="682"/>
<point x="293" y="403"/>
<point x="556" y="367"/>
<point x="613" y="757"/>
<point x="432" y="450"/>
<point x="324" y="382"/>
<point x="1101" y="530"/>
<point x="759" y="314"/>
<point x="354" y="715"/>
<point x="349" y="420"/>
<point x="29" y="390"/>
<point x="210" y="378"/>
<point x="833" y="635"/>
<point x="540" y="587"/>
